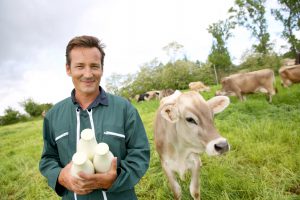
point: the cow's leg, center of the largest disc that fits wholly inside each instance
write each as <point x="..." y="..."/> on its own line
<point x="270" y="97"/>
<point x="194" y="185"/>
<point x="238" y="93"/>
<point x="244" y="98"/>
<point x="271" y="93"/>
<point x="175" y="187"/>
<point x="240" y="96"/>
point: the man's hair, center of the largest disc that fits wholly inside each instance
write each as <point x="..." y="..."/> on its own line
<point x="85" y="41"/>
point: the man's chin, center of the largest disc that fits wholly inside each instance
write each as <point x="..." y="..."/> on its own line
<point x="89" y="91"/>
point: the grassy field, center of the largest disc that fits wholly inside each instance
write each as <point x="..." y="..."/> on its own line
<point x="263" y="164"/>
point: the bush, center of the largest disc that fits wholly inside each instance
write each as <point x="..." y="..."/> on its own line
<point x="34" y="109"/>
<point x="256" y="61"/>
<point x="11" y="116"/>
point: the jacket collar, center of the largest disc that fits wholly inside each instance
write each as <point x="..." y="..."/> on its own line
<point x="101" y="99"/>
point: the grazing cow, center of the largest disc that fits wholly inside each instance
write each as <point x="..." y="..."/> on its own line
<point x="43" y="113"/>
<point x="141" y="97"/>
<point x="183" y="130"/>
<point x="288" y="62"/>
<point x="198" y="86"/>
<point x="289" y="75"/>
<point x="165" y="93"/>
<point x="246" y="83"/>
<point x="147" y="96"/>
<point x="297" y="58"/>
<point x="152" y="95"/>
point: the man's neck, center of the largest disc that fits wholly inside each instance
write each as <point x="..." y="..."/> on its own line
<point x="85" y="100"/>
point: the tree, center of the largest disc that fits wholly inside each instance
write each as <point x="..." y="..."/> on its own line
<point x="113" y="83"/>
<point x="289" y="15"/>
<point x="11" y="116"/>
<point x="173" y="50"/>
<point x="251" y="15"/>
<point x="32" y="108"/>
<point x="219" y="56"/>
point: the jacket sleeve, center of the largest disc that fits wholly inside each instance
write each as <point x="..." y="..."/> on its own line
<point x="50" y="166"/>
<point x="135" y="164"/>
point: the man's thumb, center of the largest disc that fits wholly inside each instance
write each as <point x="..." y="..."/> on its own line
<point x="114" y="163"/>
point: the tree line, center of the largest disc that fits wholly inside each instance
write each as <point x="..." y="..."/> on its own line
<point x="177" y="73"/>
<point x="31" y="108"/>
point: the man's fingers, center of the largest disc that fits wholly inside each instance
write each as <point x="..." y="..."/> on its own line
<point x="114" y="164"/>
<point x="82" y="191"/>
<point x="84" y="175"/>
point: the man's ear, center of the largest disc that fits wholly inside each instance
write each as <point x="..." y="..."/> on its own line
<point x="68" y="69"/>
<point x="218" y="104"/>
<point x="170" y="113"/>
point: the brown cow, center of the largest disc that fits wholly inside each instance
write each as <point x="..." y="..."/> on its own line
<point x="198" y="86"/>
<point x="289" y="75"/>
<point x="288" y="62"/>
<point x="246" y="83"/>
<point x="183" y="130"/>
<point x="165" y="93"/>
<point x="297" y="58"/>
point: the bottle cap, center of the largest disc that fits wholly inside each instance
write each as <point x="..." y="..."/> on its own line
<point x="79" y="158"/>
<point x="87" y="134"/>
<point x="102" y="148"/>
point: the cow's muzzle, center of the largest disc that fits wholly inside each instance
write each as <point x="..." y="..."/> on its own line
<point x="222" y="147"/>
<point x="217" y="146"/>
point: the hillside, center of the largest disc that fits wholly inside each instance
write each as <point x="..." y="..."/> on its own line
<point x="263" y="162"/>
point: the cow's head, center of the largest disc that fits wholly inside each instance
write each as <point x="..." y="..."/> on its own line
<point x="193" y="119"/>
<point x="225" y="90"/>
<point x="224" y="93"/>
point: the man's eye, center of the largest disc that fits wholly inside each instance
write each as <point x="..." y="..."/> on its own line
<point x="191" y="120"/>
<point x="95" y="67"/>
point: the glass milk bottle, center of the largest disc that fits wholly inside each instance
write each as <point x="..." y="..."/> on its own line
<point x="103" y="158"/>
<point x="87" y="143"/>
<point x="81" y="164"/>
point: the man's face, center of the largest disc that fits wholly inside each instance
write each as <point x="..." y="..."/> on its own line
<point x="85" y="70"/>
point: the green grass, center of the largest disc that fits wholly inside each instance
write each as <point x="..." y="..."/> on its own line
<point x="263" y="163"/>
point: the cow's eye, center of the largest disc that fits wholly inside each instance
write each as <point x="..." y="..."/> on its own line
<point x="191" y="120"/>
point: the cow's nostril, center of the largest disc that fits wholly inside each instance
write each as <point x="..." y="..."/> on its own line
<point x="222" y="147"/>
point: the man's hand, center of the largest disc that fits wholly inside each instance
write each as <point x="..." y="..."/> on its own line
<point x="98" y="180"/>
<point x="71" y="183"/>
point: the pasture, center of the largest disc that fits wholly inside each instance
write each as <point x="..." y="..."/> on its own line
<point x="263" y="163"/>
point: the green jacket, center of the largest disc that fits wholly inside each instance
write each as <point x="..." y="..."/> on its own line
<point x="116" y="122"/>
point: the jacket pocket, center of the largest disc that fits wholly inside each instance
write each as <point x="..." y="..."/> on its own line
<point x="61" y="136"/>
<point x="114" y="134"/>
<point x="116" y="142"/>
<point x="62" y="142"/>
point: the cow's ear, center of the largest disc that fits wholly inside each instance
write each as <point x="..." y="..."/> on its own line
<point x="218" y="104"/>
<point x="170" y="113"/>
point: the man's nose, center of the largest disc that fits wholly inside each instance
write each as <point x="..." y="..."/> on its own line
<point x="88" y="72"/>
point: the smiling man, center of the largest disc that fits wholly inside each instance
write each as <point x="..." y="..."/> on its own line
<point x="113" y="120"/>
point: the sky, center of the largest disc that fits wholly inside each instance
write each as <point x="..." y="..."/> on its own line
<point x="34" y="35"/>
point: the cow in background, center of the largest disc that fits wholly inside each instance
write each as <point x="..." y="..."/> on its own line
<point x="288" y="62"/>
<point x="251" y="82"/>
<point x="165" y="93"/>
<point x="198" y="87"/>
<point x="184" y="129"/>
<point x="289" y="75"/>
<point x="141" y="97"/>
<point x="152" y="95"/>
<point x="43" y="113"/>
<point x="297" y="58"/>
<point x="147" y="96"/>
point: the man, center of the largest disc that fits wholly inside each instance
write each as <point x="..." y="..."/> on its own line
<point x="114" y="121"/>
